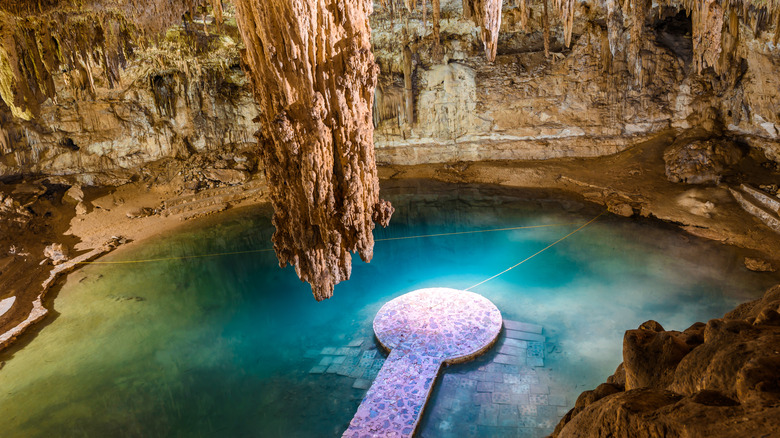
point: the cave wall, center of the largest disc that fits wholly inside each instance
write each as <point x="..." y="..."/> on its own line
<point x="596" y="97"/>
<point x="184" y="95"/>
<point x="181" y="95"/>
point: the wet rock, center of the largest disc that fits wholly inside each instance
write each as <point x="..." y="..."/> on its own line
<point x="115" y="241"/>
<point x="759" y="265"/>
<point x="716" y="380"/>
<point x="701" y="161"/>
<point x="56" y="252"/>
<point x="81" y="209"/>
<point x="74" y="195"/>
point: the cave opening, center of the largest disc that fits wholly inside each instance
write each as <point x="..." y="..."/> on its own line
<point x="69" y="144"/>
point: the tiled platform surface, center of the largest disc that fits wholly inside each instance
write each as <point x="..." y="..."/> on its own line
<point x="423" y="330"/>
<point x="508" y="393"/>
<point x="492" y="398"/>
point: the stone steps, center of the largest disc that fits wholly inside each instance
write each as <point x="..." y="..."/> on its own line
<point x="761" y="205"/>
<point x="770" y="202"/>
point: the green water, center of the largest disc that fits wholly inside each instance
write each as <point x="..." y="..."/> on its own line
<point x="222" y="346"/>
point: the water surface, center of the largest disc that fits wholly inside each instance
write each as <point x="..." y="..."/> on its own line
<point x="222" y="346"/>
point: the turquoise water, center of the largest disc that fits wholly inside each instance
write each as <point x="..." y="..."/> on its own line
<point x="222" y="346"/>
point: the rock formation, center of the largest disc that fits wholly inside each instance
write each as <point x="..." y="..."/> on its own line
<point x="111" y="102"/>
<point x="487" y="15"/>
<point x="718" y="379"/>
<point x="314" y="77"/>
<point x="700" y="161"/>
<point x="112" y="86"/>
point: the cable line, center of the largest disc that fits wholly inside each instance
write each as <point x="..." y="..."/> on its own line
<point x="421" y="236"/>
<point x="538" y="252"/>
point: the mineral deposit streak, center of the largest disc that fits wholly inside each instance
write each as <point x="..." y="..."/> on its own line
<point x="423" y="330"/>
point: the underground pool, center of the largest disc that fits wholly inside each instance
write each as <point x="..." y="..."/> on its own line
<point x="233" y="346"/>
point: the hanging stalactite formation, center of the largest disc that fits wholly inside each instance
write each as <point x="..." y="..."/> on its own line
<point x="314" y="76"/>
<point x="436" y="9"/>
<point x="491" y="23"/>
<point x="546" y="25"/>
<point x="39" y="39"/>
<point x="487" y="15"/>
<point x="566" y="8"/>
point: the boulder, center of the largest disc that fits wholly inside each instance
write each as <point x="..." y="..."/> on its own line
<point x="141" y="212"/>
<point x="759" y="265"/>
<point x="718" y="379"/>
<point x="701" y="161"/>
<point x="621" y="209"/>
<point x="651" y="354"/>
<point x="81" y="209"/>
<point x="56" y="252"/>
<point x="73" y="195"/>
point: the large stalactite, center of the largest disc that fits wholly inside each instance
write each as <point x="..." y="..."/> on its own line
<point x="314" y="76"/>
<point x="487" y="15"/>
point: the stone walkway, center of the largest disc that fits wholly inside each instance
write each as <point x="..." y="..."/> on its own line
<point x="507" y="392"/>
<point x="423" y="330"/>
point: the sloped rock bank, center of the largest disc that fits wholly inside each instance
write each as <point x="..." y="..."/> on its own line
<point x="717" y="379"/>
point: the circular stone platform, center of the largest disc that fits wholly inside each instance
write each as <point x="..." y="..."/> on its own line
<point x="423" y="330"/>
<point x="448" y="324"/>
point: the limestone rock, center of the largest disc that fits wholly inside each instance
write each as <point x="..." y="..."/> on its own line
<point x="650" y="356"/>
<point x="140" y="212"/>
<point x="56" y="252"/>
<point x="701" y="161"/>
<point x="81" y="209"/>
<point x="230" y="177"/>
<point x="315" y="81"/>
<point x="74" y="195"/>
<point x="759" y="265"/>
<point x="621" y="209"/>
<point x="717" y="380"/>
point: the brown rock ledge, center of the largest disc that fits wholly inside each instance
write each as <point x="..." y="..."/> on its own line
<point x="718" y="379"/>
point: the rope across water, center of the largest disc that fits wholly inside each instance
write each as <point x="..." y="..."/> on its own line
<point x="252" y="251"/>
<point x="537" y="253"/>
<point x="120" y="262"/>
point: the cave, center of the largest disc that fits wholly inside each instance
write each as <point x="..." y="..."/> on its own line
<point x="445" y="218"/>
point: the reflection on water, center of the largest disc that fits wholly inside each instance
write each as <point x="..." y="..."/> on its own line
<point x="223" y="346"/>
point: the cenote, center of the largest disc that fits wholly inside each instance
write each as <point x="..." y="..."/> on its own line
<point x="224" y="345"/>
